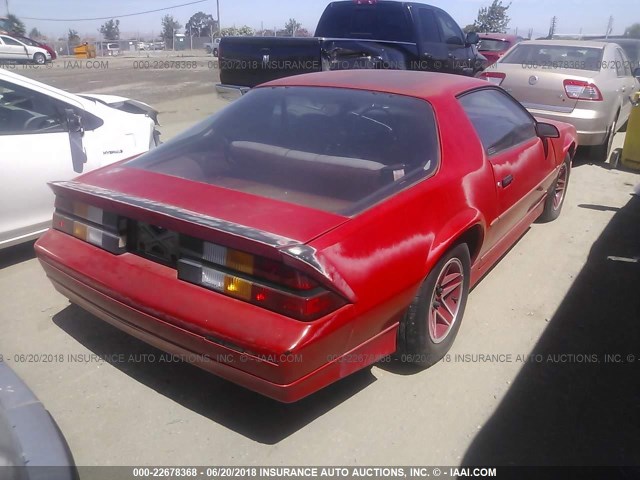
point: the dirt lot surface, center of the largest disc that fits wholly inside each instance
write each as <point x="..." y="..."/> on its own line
<point x="566" y="288"/>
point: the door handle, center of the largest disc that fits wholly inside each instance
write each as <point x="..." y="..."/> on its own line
<point x="506" y="181"/>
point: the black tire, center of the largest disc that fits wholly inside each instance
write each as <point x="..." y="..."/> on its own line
<point x="416" y="342"/>
<point x="39" y="59"/>
<point x="557" y="193"/>
<point x="215" y="52"/>
<point x="600" y="153"/>
<point x="208" y="49"/>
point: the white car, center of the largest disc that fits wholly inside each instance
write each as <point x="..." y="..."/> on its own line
<point x="14" y="50"/>
<point x="47" y="134"/>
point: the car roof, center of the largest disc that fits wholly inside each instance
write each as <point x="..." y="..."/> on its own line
<point x="499" y="36"/>
<point x="426" y="85"/>
<point x="568" y="43"/>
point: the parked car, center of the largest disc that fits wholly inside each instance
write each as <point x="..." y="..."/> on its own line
<point x="49" y="135"/>
<point x="351" y="35"/>
<point x="33" y="43"/>
<point x="584" y="83"/>
<point x="30" y="439"/>
<point x="15" y="50"/>
<point x="494" y="45"/>
<point x="314" y="226"/>
<point x="111" y="49"/>
<point x="212" y="48"/>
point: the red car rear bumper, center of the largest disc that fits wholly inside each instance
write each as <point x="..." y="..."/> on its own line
<point x="273" y="355"/>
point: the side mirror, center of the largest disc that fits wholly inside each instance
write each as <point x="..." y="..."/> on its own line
<point x="546" y="130"/>
<point x="472" y="38"/>
<point x="74" y="121"/>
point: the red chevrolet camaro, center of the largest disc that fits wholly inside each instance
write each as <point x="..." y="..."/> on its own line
<point x="314" y="226"/>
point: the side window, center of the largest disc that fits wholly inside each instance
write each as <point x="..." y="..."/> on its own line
<point x="450" y="29"/>
<point x="428" y="26"/>
<point x="619" y="64"/>
<point x="500" y="121"/>
<point x="23" y="111"/>
<point x="12" y="42"/>
<point x="626" y="64"/>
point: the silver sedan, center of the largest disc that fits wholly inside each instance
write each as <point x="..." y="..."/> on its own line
<point x="586" y="84"/>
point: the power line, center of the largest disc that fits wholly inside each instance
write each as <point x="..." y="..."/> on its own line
<point x="112" y="16"/>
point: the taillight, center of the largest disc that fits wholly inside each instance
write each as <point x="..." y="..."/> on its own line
<point x="90" y="224"/>
<point x="494" y="77"/>
<point x="582" y="90"/>
<point x="258" y="280"/>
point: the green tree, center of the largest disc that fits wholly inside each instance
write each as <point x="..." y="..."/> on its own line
<point x="633" y="31"/>
<point x="201" y="25"/>
<point x="35" y="33"/>
<point x="292" y="27"/>
<point x="229" y="32"/>
<point x="169" y="27"/>
<point x="72" y="37"/>
<point x="245" y="31"/>
<point x="111" y="30"/>
<point x="493" y="18"/>
<point x="15" y="25"/>
<point x="470" y="28"/>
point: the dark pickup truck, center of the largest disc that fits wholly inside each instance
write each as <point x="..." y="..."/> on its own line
<point x="355" y="34"/>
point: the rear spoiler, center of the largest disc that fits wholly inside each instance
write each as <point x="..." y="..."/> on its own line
<point x="304" y="255"/>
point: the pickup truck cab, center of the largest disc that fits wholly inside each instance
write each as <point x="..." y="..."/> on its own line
<point x="360" y="34"/>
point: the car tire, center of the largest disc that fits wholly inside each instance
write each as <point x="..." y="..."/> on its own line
<point x="208" y="49"/>
<point x="600" y="153"/>
<point x="424" y="336"/>
<point x="39" y="58"/>
<point x="215" y="53"/>
<point x="557" y="193"/>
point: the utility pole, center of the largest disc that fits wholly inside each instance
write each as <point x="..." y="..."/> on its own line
<point x="219" y="24"/>
<point x="6" y="2"/>
<point x="609" y="27"/>
<point x="554" y="25"/>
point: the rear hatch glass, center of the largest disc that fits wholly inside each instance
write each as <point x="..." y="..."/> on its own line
<point x="331" y="149"/>
<point x="493" y="45"/>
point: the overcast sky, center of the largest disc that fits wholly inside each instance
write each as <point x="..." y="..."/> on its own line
<point x="588" y="16"/>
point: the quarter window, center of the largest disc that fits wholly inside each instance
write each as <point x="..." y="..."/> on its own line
<point x="500" y="121"/>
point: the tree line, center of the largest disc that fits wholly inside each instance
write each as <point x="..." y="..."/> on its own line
<point x="493" y="18"/>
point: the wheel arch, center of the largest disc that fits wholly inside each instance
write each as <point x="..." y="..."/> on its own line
<point x="468" y="228"/>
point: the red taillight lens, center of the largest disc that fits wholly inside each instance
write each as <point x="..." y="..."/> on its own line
<point x="494" y="77"/>
<point x="582" y="90"/>
<point x="258" y="280"/>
